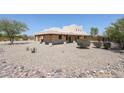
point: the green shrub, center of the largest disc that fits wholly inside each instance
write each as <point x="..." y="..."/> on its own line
<point x="97" y="44"/>
<point x="107" y="45"/>
<point x="83" y="43"/>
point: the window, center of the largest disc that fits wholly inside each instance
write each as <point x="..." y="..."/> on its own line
<point x="60" y="36"/>
<point x="85" y="37"/>
<point x="78" y="37"/>
<point x="66" y="37"/>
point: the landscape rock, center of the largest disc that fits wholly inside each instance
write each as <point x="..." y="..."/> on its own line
<point x="11" y="70"/>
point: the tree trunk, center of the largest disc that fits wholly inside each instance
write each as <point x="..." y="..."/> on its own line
<point x="11" y="41"/>
<point x="122" y="44"/>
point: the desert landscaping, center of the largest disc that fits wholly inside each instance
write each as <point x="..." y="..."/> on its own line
<point x="61" y="52"/>
<point x="64" y="60"/>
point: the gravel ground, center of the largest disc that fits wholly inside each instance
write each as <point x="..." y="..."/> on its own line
<point x="58" y="61"/>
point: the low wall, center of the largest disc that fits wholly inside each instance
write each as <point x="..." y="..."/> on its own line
<point x="55" y="42"/>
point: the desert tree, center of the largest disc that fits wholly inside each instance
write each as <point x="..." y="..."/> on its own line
<point x="94" y="31"/>
<point x="116" y="32"/>
<point x="12" y="28"/>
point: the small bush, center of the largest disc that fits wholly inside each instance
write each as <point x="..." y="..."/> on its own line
<point x="33" y="50"/>
<point x="107" y="45"/>
<point x="27" y="48"/>
<point x="83" y="43"/>
<point x="97" y="44"/>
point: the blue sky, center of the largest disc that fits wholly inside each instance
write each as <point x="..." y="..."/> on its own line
<point x="38" y="22"/>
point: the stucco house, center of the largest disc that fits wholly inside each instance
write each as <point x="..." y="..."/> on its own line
<point x="57" y="35"/>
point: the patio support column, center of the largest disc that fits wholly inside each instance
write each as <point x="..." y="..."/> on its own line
<point x="50" y="44"/>
<point x="65" y="42"/>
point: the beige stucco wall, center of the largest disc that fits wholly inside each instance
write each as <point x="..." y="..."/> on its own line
<point x="38" y="37"/>
<point x="53" y="37"/>
<point x="81" y="37"/>
<point x="47" y="38"/>
<point x="50" y="38"/>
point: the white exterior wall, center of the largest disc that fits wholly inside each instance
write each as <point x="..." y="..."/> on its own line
<point x="73" y="28"/>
